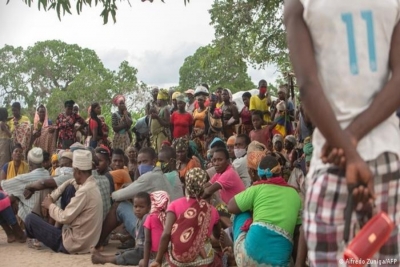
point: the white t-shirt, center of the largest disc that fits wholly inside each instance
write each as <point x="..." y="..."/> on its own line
<point x="240" y="166"/>
<point x="352" y="42"/>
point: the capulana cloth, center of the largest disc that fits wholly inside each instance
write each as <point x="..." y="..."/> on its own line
<point x="181" y="144"/>
<point x="163" y="95"/>
<point x="159" y="204"/>
<point x="35" y="155"/>
<point x="254" y="158"/>
<point x="195" y="180"/>
<point x="82" y="160"/>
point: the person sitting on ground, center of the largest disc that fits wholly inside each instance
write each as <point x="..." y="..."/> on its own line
<point x="16" y="186"/>
<point x="230" y="145"/>
<point x="151" y="179"/>
<point x="185" y="159"/>
<point x="141" y="208"/>
<point x="255" y="153"/>
<point x="190" y="214"/>
<point x="131" y="152"/>
<point x="226" y="180"/>
<point x="266" y="237"/>
<point x="81" y="217"/>
<point x="167" y="162"/>
<point x="119" y="173"/>
<point x="54" y="164"/>
<point x="16" y="166"/>
<point x="154" y="226"/>
<point x="9" y="222"/>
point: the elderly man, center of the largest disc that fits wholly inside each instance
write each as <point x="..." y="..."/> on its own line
<point x="82" y="217"/>
<point x="15" y="187"/>
<point x="151" y="179"/>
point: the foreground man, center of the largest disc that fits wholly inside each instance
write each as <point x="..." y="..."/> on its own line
<point x="82" y="217"/>
<point x="347" y="68"/>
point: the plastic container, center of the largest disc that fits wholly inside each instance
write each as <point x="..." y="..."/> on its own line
<point x="369" y="240"/>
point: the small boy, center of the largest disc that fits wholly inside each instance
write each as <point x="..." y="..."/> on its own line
<point x="141" y="207"/>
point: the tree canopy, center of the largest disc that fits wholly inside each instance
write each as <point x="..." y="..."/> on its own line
<point x="218" y="68"/>
<point x="51" y="72"/>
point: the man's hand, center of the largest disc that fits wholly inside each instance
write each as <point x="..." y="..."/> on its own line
<point x="47" y="202"/>
<point x="28" y="193"/>
<point x="336" y="155"/>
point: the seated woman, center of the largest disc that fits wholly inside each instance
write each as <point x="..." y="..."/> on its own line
<point x="185" y="159"/>
<point x="16" y="166"/>
<point x="267" y="236"/>
<point x="189" y="224"/>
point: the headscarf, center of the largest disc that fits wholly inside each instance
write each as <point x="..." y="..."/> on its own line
<point x="256" y="146"/>
<point x="217" y="141"/>
<point x="36" y="120"/>
<point x="195" y="180"/>
<point x="117" y="99"/>
<point x="180" y="98"/>
<point x="231" y="140"/>
<point x="269" y="173"/>
<point x="159" y="204"/>
<point x="54" y="158"/>
<point x="163" y="95"/>
<point x="277" y="138"/>
<point x="308" y="150"/>
<point x="291" y="139"/>
<point x="175" y="95"/>
<point x="254" y="158"/>
<point x="181" y="144"/>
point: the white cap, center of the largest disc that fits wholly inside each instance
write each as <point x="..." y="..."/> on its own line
<point x="82" y="160"/>
<point x="35" y="155"/>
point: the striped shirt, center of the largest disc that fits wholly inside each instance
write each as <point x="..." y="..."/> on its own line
<point x="16" y="187"/>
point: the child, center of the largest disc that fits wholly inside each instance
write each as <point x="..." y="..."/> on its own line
<point x="141" y="206"/>
<point x="154" y="226"/>
<point x="260" y="134"/>
<point x="245" y="114"/>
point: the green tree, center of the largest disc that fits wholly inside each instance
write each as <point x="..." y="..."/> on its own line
<point x="218" y="68"/>
<point x="64" y="6"/>
<point x="254" y="28"/>
<point x="51" y="72"/>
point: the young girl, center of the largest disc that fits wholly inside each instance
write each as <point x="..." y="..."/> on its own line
<point x="245" y="114"/>
<point x="141" y="207"/>
<point x="154" y="226"/>
<point x="260" y="134"/>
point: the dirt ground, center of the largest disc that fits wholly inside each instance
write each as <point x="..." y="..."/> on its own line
<point x="19" y="255"/>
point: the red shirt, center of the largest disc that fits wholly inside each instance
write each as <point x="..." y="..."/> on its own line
<point x="181" y="124"/>
<point x="245" y="114"/>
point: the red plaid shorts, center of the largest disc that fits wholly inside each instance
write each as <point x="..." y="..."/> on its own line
<point x="326" y="200"/>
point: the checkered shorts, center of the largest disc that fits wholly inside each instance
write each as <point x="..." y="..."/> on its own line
<point x="326" y="200"/>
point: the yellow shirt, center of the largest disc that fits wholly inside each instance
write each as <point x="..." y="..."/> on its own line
<point x="260" y="104"/>
<point x="21" y="120"/>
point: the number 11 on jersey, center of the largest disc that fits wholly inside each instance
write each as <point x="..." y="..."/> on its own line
<point x="366" y="15"/>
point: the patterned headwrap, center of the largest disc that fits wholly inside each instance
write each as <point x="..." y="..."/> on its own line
<point x="163" y="95"/>
<point x="159" y="204"/>
<point x="254" y="158"/>
<point x="181" y="144"/>
<point x="117" y="99"/>
<point x="195" y="180"/>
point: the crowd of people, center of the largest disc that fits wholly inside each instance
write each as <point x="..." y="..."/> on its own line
<point x="165" y="187"/>
<point x="198" y="182"/>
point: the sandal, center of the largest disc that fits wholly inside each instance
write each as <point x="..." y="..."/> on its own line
<point x="34" y="244"/>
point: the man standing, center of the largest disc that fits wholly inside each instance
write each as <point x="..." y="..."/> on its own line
<point x="82" y="217"/>
<point x="262" y="101"/>
<point x="347" y="71"/>
<point x="153" y="103"/>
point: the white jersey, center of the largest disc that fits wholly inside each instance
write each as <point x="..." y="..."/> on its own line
<point x="351" y="41"/>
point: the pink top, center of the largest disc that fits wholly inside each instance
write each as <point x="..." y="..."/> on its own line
<point x="4" y="201"/>
<point x="230" y="182"/>
<point x="180" y="205"/>
<point x="156" y="228"/>
<point x="262" y="135"/>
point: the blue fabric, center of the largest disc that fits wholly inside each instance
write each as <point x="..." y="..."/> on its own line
<point x="263" y="244"/>
<point x="217" y="142"/>
<point x="126" y="216"/>
<point x="144" y="168"/>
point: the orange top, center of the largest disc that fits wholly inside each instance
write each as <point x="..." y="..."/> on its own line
<point x="120" y="177"/>
<point x="199" y="117"/>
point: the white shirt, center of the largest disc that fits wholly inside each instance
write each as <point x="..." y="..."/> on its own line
<point x="240" y="166"/>
<point x="352" y="42"/>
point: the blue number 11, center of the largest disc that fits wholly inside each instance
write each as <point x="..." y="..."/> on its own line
<point x="348" y="20"/>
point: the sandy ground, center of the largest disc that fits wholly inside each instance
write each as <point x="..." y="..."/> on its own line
<point x="19" y="255"/>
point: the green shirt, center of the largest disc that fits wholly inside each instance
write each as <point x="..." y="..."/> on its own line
<point x="273" y="204"/>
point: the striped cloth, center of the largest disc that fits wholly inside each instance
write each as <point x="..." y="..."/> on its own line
<point x="16" y="187"/>
<point x="104" y="187"/>
<point x="326" y="199"/>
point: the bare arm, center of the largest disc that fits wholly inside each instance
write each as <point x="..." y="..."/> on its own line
<point x="233" y="207"/>
<point x="147" y="246"/>
<point x="209" y="191"/>
<point x="384" y="104"/>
